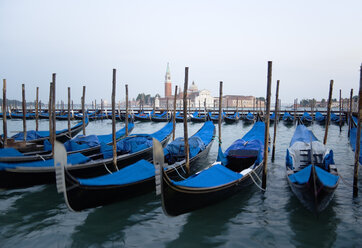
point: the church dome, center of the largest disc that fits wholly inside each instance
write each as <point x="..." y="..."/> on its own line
<point x="193" y="87"/>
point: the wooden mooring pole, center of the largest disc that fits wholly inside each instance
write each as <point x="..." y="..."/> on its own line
<point x="220" y="111"/>
<point x="267" y="117"/>
<point x="185" y="121"/>
<point x="126" y="110"/>
<point x="50" y="115"/>
<point x="340" y="110"/>
<point x="358" y="138"/>
<point x="174" y="114"/>
<point x="276" y="118"/>
<point x="4" y="108"/>
<point x="114" y="120"/>
<point x="83" y="110"/>
<point x="328" y="118"/>
<point x="24" y="111"/>
<point x="69" y="129"/>
<point x="350" y="113"/>
<point x="37" y="110"/>
<point x="54" y="125"/>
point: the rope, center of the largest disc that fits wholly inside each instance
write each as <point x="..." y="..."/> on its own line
<point x="38" y="155"/>
<point x="218" y="139"/>
<point x="256" y="182"/>
<point x="174" y="167"/>
<point x="105" y="166"/>
<point x="344" y="181"/>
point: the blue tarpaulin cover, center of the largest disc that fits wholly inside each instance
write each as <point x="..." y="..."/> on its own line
<point x="197" y="142"/>
<point x="352" y="140"/>
<point x="75" y="158"/>
<point x="306" y="117"/>
<point x="272" y="117"/>
<point x="10" y="152"/>
<point x="249" y="116"/>
<point x="302" y="176"/>
<point x="334" y="117"/>
<point x="319" y="116"/>
<point x="252" y="140"/>
<point x="138" y="171"/>
<point x="212" y="177"/>
<point x="287" y="116"/>
<point x="302" y="134"/>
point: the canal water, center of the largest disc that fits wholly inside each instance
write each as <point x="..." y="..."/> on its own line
<point x="38" y="216"/>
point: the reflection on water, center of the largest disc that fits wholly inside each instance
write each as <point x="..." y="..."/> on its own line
<point x="38" y="216"/>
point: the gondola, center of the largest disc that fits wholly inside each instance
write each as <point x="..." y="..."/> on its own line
<point x="335" y="119"/>
<point x="28" y="116"/>
<point x="198" y="117"/>
<point x="8" y="115"/>
<point x="249" y="118"/>
<point x="163" y="117"/>
<point x="242" y="161"/>
<point x="129" y="150"/>
<point x="38" y="137"/>
<point x="215" y="117"/>
<point x="180" y="117"/>
<point x="143" y="116"/>
<point x="135" y="179"/>
<point x="288" y="119"/>
<point x="86" y="145"/>
<point x="320" y="119"/>
<point x="272" y="118"/>
<point x="311" y="172"/>
<point x="306" y="119"/>
<point x="232" y="119"/>
<point x="353" y="137"/>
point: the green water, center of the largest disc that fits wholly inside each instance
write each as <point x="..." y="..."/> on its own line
<point x="38" y="216"/>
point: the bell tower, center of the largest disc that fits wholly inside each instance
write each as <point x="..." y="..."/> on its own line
<point x="168" y="85"/>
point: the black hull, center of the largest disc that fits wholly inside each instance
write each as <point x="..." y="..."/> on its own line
<point x="155" y="119"/>
<point x="230" y="120"/>
<point x="181" y="119"/>
<point x="26" y="177"/>
<point x="179" y="200"/>
<point x="198" y="120"/>
<point x="80" y="197"/>
<point x="137" y="118"/>
<point x="288" y="122"/>
<point x="314" y="202"/>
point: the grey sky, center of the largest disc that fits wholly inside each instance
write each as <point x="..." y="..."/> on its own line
<point x="309" y="42"/>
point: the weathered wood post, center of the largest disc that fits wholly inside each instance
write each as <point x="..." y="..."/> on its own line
<point x="358" y="139"/>
<point x="114" y="120"/>
<point x="340" y="110"/>
<point x="295" y="110"/>
<point x="267" y="117"/>
<point x="69" y="129"/>
<point x="24" y="111"/>
<point x="5" y="127"/>
<point x="350" y="112"/>
<point x="185" y="121"/>
<point x="37" y="110"/>
<point x="50" y="114"/>
<point x="220" y="111"/>
<point x="83" y="110"/>
<point x="276" y="119"/>
<point x="328" y="118"/>
<point x="53" y="112"/>
<point x="102" y="109"/>
<point x="126" y="109"/>
<point x="174" y="114"/>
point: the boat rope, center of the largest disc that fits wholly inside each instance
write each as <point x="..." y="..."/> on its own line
<point x="255" y="181"/>
<point x="178" y="173"/>
<point x="344" y="181"/>
<point x="105" y="166"/>
<point x="41" y="157"/>
<point x="217" y="139"/>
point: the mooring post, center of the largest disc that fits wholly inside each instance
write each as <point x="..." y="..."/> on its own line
<point x="114" y="120"/>
<point x="220" y="110"/>
<point x="69" y="129"/>
<point x="50" y="115"/>
<point x="5" y="127"/>
<point x="267" y="117"/>
<point x="102" y="109"/>
<point x="166" y="106"/>
<point x="174" y="114"/>
<point x="37" y="110"/>
<point x="185" y="121"/>
<point x="340" y="110"/>
<point x="126" y="109"/>
<point x="328" y="118"/>
<point x="53" y="111"/>
<point x="350" y="113"/>
<point x="276" y="118"/>
<point x="24" y="111"/>
<point x="295" y="110"/>
<point x="83" y="110"/>
<point x="358" y="138"/>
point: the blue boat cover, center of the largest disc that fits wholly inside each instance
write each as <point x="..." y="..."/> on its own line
<point x="197" y="142"/>
<point x="137" y="142"/>
<point x="10" y="152"/>
<point x="272" y="117"/>
<point x="252" y="140"/>
<point x="334" y="117"/>
<point x="249" y="116"/>
<point x="195" y="114"/>
<point x="326" y="178"/>
<point x="306" y="117"/>
<point x="319" y="116"/>
<point x="287" y="116"/>
<point x="138" y="171"/>
<point x="75" y="158"/>
<point x="302" y="134"/>
<point x="214" y="176"/>
<point x="352" y="140"/>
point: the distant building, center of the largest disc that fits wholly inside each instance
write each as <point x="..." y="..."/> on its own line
<point x="168" y="84"/>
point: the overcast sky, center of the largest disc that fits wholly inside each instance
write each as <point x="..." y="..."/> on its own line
<point x="309" y="42"/>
